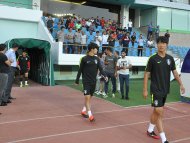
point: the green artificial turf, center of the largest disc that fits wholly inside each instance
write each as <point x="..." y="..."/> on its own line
<point x="135" y="93"/>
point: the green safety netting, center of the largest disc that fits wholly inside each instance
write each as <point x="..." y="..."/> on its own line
<point x="41" y="64"/>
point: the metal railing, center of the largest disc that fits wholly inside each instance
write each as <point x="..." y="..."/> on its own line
<point x="75" y="48"/>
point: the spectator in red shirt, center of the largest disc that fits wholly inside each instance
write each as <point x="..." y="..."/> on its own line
<point x="83" y="22"/>
<point x="102" y="22"/>
<point x="125" y="41"/>
<point x="71" y="24"/>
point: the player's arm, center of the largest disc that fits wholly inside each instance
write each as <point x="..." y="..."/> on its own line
<point x="7" y="62"/>
<point x="146" y="76"/>
<point x="101" y="70"/>
<point x="28" y="63"/>
<point x="176" y="76"/>
<point x="115" y="65"/>
<point x="105" y="61"/>
<point x="18" y="62"/>
<point x="130" y="65"/>
<point x="79" y="71"/>
<point x="145" y="84"/>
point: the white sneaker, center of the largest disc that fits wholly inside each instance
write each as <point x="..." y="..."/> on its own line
<point x="104" y="95"/>
<point x="99" y="92"/>
<point x="26" y="84"/>
<point x="113" y="95"/>
<point x="96" y="92"/>
<point x="21" y="85"/>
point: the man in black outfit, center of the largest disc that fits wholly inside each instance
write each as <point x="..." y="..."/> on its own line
<point x="159" y="67"/>
<point x="89" y="67"/>
<point x="24" y="66"/>
<point x="4" y="70"/>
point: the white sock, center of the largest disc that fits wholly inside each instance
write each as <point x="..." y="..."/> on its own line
<point x="26" y="82"/>
<point x="89" y="113"/>
<point x="84" y="109"/>
<point x="163" y="137"/>
<point x="151" y="128"/>
<point x="21" y="83"/>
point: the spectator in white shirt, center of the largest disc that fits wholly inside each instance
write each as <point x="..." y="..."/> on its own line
<point x="61" y="38"/>
<point x="88" y="24"/>
<point x="140" y="45"/>
<point x="98" y="39"/>
<point x="11" y="55"/>
<point x="104" y="41"/>
<point x="83" y="42"/>
<point x="70" y="38"/>
<point x="61" y="35"/>
<point x="150" y="44"/>
<point x="78" y="37"/>
<point x="123" y="66"/>
<point x="130" y="26"/>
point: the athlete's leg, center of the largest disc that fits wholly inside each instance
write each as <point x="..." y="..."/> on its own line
<point x="26" y="78"/>
<point x="158" y="111"/>
<point x="21" y="80"/>
<point x="159" y="123"/>
<point x="87" y="102"/>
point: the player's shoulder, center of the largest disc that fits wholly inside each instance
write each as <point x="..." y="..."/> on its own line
<point x="96" y="57"/>
<point x="153" y="56"/>
<point x="84" y="58"/>
<point x="169" y="56"/>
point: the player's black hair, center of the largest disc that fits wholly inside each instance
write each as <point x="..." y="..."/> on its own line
<point x="161" y="39"/>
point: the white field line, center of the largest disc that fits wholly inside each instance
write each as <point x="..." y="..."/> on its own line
<point x="90" y="130"/>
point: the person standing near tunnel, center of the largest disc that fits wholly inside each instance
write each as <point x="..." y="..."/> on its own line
<point x="4" y="70"/>
<point x="24" y="67"/>
<point x="11" y="55"/>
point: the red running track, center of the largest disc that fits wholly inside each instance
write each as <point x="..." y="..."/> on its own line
<point x="51" y="115"/>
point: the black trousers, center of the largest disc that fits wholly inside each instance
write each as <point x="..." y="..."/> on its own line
<point x="11" y="75"/>
<point x="3" y="85"/>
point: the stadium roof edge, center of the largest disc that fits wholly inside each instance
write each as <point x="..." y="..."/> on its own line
<point x="145" y="3"/>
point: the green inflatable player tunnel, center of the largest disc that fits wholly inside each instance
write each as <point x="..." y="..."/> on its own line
<point x="41" y="69"/>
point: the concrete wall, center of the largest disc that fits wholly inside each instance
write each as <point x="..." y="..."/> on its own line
<point x="148" y="16"/>
<point x="178" y="39"/>
<point x="18" y="23"/>
<point x="17" y="29"/>
<point x="174" y="19"/>
<point x="164" y="3"/>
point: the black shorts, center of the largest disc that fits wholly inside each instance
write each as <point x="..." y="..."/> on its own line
<point x="23" y="71"/>
<point x="89" y="88"/>
<point x="157" y="100"/>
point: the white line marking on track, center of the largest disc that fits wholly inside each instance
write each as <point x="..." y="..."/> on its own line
<point x="90" y="130"/>
<point x="175" y="109"/>
<point x="65" y="116"/>
<point x="180" y="140"/>
<point x="108" y="101"/>
<point x="72" y="115"/>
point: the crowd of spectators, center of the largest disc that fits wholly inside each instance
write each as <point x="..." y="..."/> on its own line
<point x="76" y="33"/>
